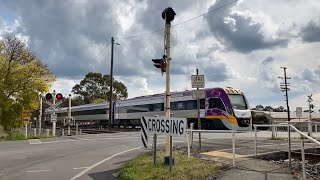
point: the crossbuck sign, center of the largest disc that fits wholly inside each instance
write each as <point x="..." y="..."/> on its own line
<point x="162" y="125"/>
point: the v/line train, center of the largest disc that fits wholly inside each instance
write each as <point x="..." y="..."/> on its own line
<point x="222" y="108"/>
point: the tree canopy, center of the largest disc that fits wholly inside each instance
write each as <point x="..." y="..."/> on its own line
<point x="22" y="78"/>
<point x="95" y="88"/>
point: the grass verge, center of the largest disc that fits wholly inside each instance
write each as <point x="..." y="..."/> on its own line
<point x="142" y="168"/>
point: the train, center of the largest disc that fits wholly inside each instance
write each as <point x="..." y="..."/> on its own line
<point x="221" y="108"/>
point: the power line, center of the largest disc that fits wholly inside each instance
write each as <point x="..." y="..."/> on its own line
<point x="216" y="9"/>
<point x="84" y="66"/>
<point x="175" y="25"/>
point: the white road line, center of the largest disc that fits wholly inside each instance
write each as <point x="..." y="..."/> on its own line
<point x="81" y="168"/>
<point x="35" y="171"/>
<point x="87" y="139"/>
<point x="108" y="158"/>
<point x="98" y="163"/>
<point x="34" y="141"/>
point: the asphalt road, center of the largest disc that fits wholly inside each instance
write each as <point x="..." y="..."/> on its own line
<point x="100" y="156"/>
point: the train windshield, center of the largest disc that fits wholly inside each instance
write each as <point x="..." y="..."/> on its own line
<point x="238" y="101"/>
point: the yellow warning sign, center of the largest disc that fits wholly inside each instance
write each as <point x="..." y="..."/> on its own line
<point x="26" y="116"/>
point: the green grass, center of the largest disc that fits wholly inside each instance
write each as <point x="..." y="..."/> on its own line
<point x="142" y="168"/>
<point x="15" y="136"/>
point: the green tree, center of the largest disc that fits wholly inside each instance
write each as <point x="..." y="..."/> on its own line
<point x="22" y="77"/>
<point x="95" y="87"/>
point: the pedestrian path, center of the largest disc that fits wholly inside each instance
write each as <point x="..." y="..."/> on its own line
<point x="253" y="169"/>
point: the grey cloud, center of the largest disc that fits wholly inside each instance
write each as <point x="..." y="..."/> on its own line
<point x="62" y="31"/>
<point x="311" y="32"/>
<point x="239" y="31"/>
<point x="311" y="75"/>
<point x="269" y="59"/>
<point x="217" y="72"/>
<point x="268" y="75"/>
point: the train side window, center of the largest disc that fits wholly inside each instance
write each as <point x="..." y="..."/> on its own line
<point x="192" y="104"/>
<point x="216" y="103"/>
<point x="157" y="107"/>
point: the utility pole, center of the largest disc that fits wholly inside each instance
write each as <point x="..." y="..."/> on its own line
<point x="309" y="122"/>
<point x="69" y="116"/>
<point x="284" y="88"/>
<point x="54" y="112"/>
<point x="40" y="113"/>
<point x="111" y="84"/>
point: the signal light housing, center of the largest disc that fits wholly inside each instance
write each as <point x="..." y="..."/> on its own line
<point x="59" y="96"/>
<point x="48" y="96"/>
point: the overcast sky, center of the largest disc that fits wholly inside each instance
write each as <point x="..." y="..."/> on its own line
<point x="242" y="45"/>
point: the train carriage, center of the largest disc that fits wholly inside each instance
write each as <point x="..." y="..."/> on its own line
<point x="222" y="108"/>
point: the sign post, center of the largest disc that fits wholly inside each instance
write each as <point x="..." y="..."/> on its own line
<point x="162" y="125"/>
<point x="197" y="81"/>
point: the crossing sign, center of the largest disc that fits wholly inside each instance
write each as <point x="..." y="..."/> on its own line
<point x="54" y="117"/>
<point x="197" y="81"/>
<point x="164" y="125"/>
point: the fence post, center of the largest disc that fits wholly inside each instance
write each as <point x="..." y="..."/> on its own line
<point x="303" y="158"/>
<point x="26" y="131"/>
<point x="191" y="128"/>
<point x="77" y="129"/>
<point x="272" y="129"/>
<point x="188" y="141"/>
<point x="255" y="141"/>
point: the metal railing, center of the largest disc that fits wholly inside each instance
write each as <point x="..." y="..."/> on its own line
<point x="190" y="139"/>
<point x="303" y="135"/>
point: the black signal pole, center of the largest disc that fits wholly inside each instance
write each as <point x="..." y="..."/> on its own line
<point x="284" y="88"/>
<point x="111" y="83"/>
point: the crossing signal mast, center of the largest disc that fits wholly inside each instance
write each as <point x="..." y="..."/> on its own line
<point x="163" y="64"/>
<point x="53" y="96"/>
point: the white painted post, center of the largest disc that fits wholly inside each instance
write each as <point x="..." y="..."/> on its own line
<point x="62" y="132"/>
<point x="188" y="141"/>
<point x="310" y="128"/>
<point x="255" y="140"/>
<point x="26" y="131"/>
<point x="273" y="130"/>
<point x="191" y="128"/>
<point x="303" y="158"/>
<point x="77" y="129"/>
<point x="316" y="128"/>
<point x="80" y="132"/>
<point x="35" y="132"/>
<point x="48" y="132"/>
<point x="276" y="131"/>
<point x="233" y="148"/>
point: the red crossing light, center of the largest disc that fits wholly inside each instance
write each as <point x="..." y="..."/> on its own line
<point x="59" y="96"/>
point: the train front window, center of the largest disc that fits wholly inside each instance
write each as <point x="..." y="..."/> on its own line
<point x="238" y="101"/>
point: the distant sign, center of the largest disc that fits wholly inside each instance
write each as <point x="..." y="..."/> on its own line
<point x="299" y="111"/>
<point x="198" y="94"/>
<point x="197" y="81"/>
